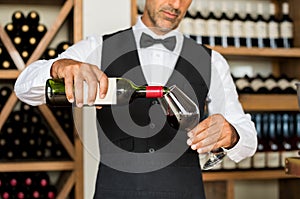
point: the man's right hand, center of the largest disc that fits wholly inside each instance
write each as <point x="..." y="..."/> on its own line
<point x="75" y="73"/>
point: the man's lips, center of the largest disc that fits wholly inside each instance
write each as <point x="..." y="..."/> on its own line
<point x="170" y="14"/>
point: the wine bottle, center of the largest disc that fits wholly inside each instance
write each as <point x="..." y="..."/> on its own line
<point x="62" y="46"/>
<point x="285" y="86"/>
<point x="40" y="31"/>
<point x="273" y="28"/>
<point x="10" y="29"/>
<point x="243" y="85"/>
<point x="5" y="92"/>
<point x="249" y="27"/>
<point x="50" y="53"/>
<point x="18" y="18"/>
<point x="257" y="84"/>
<point x="200" y="28"/>
<point x="237" y="27"/>
<point x="213" y="27"/>
<point x="261" y="27"/>
<point x="273" y="155"/>
<point x="33" y="18"/>
<point x="287" y="129"/>
<point x="286" y="27"/>
<point x="225" y="27"/>
<point x="259" y="158"/>
<point x="120" y="91"/>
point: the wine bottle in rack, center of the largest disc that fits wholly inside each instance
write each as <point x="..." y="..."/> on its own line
<point x="225" y="27"/>
<point x="62" y="46"/>
<point x="18" y="18"/>
<point x="259" y="158"/>
<point x="10" y="29"/>
<point x="273" y="155"/>
<point x="213" y="26"/>
<point x="243" y="85"/>
<point x="273" y="28"/>
<point x="272" y="84"/>
<point x="5" y="93"/>
<point x="261" y="32"/>
<point x="285" y="85"/>
<point x="286" y="27"/>
<point x="50" y="53"/>
<point x="33" y="18"/>
<point x="258" y="86"/>
<point x="237" y="27"/>
<point x="249" y="27"/>
<point x="200" y="27"/>
<point x="287" y="130"/>
<point x="296" y="137"/>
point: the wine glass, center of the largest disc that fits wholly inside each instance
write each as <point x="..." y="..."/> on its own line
<point x="182" y="113"/>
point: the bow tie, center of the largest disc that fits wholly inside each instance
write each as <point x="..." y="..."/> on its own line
<point x="147" y="41"/>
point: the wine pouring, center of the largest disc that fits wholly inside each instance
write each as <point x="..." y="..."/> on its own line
<point x="184" y="114"/>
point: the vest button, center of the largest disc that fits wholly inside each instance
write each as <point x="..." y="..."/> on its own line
<point x="151" y="150"/>
<point x="152" y="125"/>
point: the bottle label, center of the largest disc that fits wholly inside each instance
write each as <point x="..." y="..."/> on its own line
<point x="259" y="160"/>
<point x="261" y="29"/>
<point x="187" y="26"/>
<point x="111" y="95"/>
<point x="249" y="29"/>
<point x="273" y="159"/>
<point x="213" y="27"/>
<point x="225" y="28"/>
<point x="286" y="30"/>
<point x="273" y="30"/>
<point x="154" y="91"/>
<point x="237" y="27"/>
<point x="199" y="27"/>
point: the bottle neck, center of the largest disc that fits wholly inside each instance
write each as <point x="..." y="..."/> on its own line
<point x="150" y="91"/>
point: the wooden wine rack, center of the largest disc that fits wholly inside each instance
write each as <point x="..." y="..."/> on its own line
<point x="72" y="177"/>
<point x="283" y="61"/>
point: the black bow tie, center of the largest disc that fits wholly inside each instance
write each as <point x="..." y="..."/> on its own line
<point x="147" y="41"/>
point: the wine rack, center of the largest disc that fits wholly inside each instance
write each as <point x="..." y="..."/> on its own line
<point x="284" y="61"/>
<point x="70" y="168"/>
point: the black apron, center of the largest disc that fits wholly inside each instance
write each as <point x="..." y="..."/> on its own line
<point x="181" y="178"/>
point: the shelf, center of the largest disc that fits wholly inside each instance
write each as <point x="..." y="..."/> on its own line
<point x="259" y="52"/>
<point x="9" y="74"/>
<point x="269" y="102"/>
<point x="33" y="2"/>
<point x="36" y="166"/>
<point x="244" y="175"/>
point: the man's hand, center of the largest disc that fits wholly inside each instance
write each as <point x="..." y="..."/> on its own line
<point x="74" y="74"/>
<point x="212" y="133"/>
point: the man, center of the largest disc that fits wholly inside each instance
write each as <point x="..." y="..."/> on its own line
<point x="203" y="74"/>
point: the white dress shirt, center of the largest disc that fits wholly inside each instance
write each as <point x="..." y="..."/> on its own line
<point x="157" y="65"/>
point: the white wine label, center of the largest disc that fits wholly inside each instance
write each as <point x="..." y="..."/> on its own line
<point x="256" y="84"/>
<point x="244" y="164"/>
<point x="286" y="30"/>
<point x="273" y="159"/>
<point x="237" y="28"/>
<point x="261" y="30"/>
<point x="283" y="84"/>
<point x="187" y="26"/>
<point x="200" y="27"/>
<point x="249" y="28"/>
<point x="273" y="30"/>
<point x="111" y="95"/>
<point x="213" y="27"/>
<point x="225" y="27"/>
<point x="270" y="84"/>
<point x="228" y="163"/>
<point x="241" y="83"/>
<point x="259" y="160"/>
